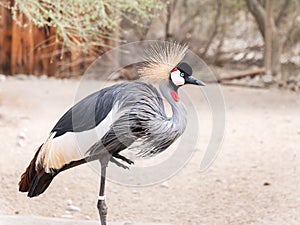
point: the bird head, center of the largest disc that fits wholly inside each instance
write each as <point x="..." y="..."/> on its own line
<point x="164" y="61"/>
<point x="182" y="74"/>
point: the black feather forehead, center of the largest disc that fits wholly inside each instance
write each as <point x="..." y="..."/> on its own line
<point x="183" y="66"/>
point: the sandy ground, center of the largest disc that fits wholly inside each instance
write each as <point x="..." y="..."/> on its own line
<point x="254" y="180"/>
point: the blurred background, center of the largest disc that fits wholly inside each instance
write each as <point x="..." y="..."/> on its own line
<point x="253" y="47"/>
<point x="240" y="38"/>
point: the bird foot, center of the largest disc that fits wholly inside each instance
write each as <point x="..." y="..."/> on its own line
<point x="113" y="160"/>
<point x="102" y="208"/>
<point x="130" y="162"/>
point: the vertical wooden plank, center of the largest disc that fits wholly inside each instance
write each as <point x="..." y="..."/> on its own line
<point x="5" y="39"/>
<point x="21" y="50"/>
<point x="52" y="51"/>
<point x="22" y="47"/>
<point x="76" y="62"/>
<point x="28" y="47"/>
<point x="39" y="37"/>
<point x="16" y="48"/>
<point x="43" y="51"/>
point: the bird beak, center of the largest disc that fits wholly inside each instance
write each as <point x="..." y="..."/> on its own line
<point x="193" y="80"/>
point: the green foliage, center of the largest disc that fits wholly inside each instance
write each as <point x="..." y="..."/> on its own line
<point x="83" y="23"/>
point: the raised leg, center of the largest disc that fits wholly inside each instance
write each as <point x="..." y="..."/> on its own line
<point x="102" y="208"/>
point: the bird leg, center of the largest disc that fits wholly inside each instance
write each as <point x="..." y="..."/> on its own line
<point x="102" y="208"/>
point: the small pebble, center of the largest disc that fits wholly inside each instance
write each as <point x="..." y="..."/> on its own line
<point x="21" y="139"/>
<point x="21" y="143"/>
<point x="267" y="78"/>
<point x="73" y="208"/>
<point x="69" y="202"/>
<point x="267" y="184"/>
<point x="164" y="184"/>
<point x="22" y="135"/>
<point x="43" y="77"/>
<point x="114" y="191"/>
<point x="21" y="77"/>
<point x="2" y="77"/>
<point x="128" y="223"/>
<point x="32" y="77"/>
<point x="135" y="192"/>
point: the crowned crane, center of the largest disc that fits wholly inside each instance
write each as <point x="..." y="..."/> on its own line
<point x="123" y="115"/>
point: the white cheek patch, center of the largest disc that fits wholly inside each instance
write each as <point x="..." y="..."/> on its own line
<point x="176" y="78"/>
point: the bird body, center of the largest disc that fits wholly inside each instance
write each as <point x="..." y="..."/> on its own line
<point x="127" y="115"/>
<point x="130" y="117"/>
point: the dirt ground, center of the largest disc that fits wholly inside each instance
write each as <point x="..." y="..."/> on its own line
<point x="254" y="180"/>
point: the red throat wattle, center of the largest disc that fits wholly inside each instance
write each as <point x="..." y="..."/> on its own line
<point x="175" y="95"/>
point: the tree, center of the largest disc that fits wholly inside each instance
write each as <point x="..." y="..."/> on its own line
<point x="83" y="24"/>
<point x="57" y="37"/>
<point x="272" y="27"/>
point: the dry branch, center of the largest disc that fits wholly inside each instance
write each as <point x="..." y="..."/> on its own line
<point x="243" y="74"/>
<point x="243" y="85"/>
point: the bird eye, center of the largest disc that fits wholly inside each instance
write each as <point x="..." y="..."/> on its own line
<point x="182" y="74"/>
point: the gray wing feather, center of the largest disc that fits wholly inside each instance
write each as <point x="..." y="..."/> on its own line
<point x="88" y="112"/>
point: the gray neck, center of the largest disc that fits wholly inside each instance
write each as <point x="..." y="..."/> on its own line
<point x="178" y="118"/>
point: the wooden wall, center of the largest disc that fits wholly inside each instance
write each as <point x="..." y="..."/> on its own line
<point x="32" y="50"/>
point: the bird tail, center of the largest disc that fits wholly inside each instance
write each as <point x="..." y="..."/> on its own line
<point x="35" y="181"/>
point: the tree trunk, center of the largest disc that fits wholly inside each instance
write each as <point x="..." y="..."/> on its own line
<point x="215" y="27"/>
<point x="170" y="8"/>
<point x="268" y="37"/>
<point x="276" y="53"/>
<point x="260" y="15"/>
